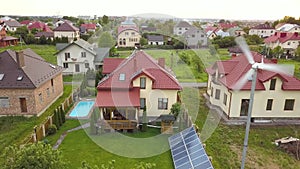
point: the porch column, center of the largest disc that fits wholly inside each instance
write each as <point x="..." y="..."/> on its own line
<point x="101" y="113"/>
<point x="137" y="114"/>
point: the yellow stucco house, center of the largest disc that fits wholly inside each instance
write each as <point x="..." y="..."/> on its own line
<point x="128" y="34"/>
<point x="277" y="96"/>
<point x="133" y="84"/>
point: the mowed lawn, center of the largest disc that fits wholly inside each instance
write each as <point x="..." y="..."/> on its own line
<point x="224" y="145"/>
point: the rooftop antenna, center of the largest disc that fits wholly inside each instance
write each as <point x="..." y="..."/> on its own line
<point x="281" y="69"/>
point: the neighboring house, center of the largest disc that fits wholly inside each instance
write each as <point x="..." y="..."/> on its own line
<point x="235" y="51"/>
<point x="89" y="27"/>
<point x="236" y="31"/>
<point x="28" y="84"/>
<point x="40" y="26"/>
<point x="133" y="84"/>
<point x="290" y="28"/>
<point x="59" y="22"/>
<point x="181" y="27"/>
<point x="262" y="30"/>
<point x="227" y="26"/>
<point x="155" y="40"/>
<point x="6" y="40"/>
<point x="211" y="35"/>
<point x="67" y="30"/>
<point x="47" y="35"/>
<point x="195" y="38"/>
<point x="79" y="56"/>
<point x="276" y="95"/>
<point x="148" y="29"/>
<point x="128" y="34"/>
<point x="287" y="41"/>
<point x="11" y="25"/>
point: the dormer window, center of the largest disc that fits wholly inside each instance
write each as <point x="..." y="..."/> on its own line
<point x="19" y="78"/>
<point x="143" y="83"/>
<point x="122" y="77"/>
<point x="1" y="76"/>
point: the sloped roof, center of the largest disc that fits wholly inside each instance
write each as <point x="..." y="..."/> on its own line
<point x="101" y="53"/>
<point x="66" y="26"/>
<point x="155" y="38"/>
<point x="37" y="25"/>
<point x="124" y="28"/>
<point x="263" y="26"/>
<point x="60" y="46"/>
<point x="26" y="22"/>
<point x="46" y="34"/>
<point x="183" y="24"/>
<point x="227" y="25"/>
<point x="35" y="72"/>
<point x="110" y="64"/>
<point x="192" y="30"/>
<point x="133" y="65"/>
<point x="88" y="25"/>
<point x="287" y="27"/>
<point x="282" y="37"/>
<point x="237" y="67"/>
<point x="12" y="23"/>
<point x="79" y="42"/>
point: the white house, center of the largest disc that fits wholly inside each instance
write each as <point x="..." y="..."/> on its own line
<point x="195" y="38"/>
<point x="155" y="40"/>
<point x="128" y="34"/>
<point x="79" y="56"/>
<point x="11" y="25"/>
<point x="276" y="95"/>
<point x="67" y="30"/>
<point x="262" y="30"/>
<point x="287" y="41"/>
<point x="181" y="27"/>
<point x="290" y="28"/>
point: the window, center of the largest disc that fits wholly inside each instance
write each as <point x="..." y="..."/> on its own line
<point x="225" y="99"/>
<point x="1" y="76"/>
<point x="41" y="97"/>
<point x="269" y="104"/>
<point x="180" y="28"/>
<point x="143" y="83"/>
<point x="289" y="104"/>
<point x="126" y="33"/>
<point x="142" y="103"/>
<point x="186" y="28"/>
<point x="132" y="33"/>
<point x="272" y="84"/>
<point x="66" y="65"/>
<point x="67" y="55"/>
<point x="217" y="96"/>
<point x="77" y="68"/>
<point x="193" y="36"/>
<point x="212" y="92"/>
<point x="87" y="65"/>
<point x="289" y="43"/>
<point x="122" y="77"/>
<point x="83" y="54"/>
<point x="179" y="32"/>
<point x="48" y="92"/>
<point x="52" y="82"/>
<point x="202" y="36"/>
<point x="163" y="103"/>
<point x="4" y="102"/>
<point x="23" y="105"/>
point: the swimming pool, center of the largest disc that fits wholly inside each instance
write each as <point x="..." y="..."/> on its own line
<point x="82" y="109"/>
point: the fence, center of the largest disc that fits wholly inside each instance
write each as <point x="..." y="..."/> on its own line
<point x="40" y="132"/>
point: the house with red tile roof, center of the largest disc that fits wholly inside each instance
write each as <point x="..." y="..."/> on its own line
<point x="287" y="41"/>
<point x="6" y="40"/>
<point x="227" y="25"/>
<point x="89" y="27"/>
<point x="67" y="30"/>
<point x="26" y="22"/>
<point x="28" y="84"/>
<point x="133" y="84"/>
<point x="276" y="95"/>
<point x="262" y="30"/>
<point x="128" y="34"/>
<point x="40" y="26"/>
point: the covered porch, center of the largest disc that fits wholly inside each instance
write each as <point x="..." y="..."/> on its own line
<point x="119" y="109"/>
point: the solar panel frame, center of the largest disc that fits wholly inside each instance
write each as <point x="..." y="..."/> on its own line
<point x="187" y="150"/>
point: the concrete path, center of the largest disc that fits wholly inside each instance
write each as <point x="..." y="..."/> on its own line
<point x="62" y="137"/>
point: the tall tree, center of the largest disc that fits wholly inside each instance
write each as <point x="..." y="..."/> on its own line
<point x="106" y="40"/>
<point x="34" y="156"/>
<point x="105" y="20"/>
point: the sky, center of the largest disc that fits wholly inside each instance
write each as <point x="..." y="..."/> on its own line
<point x="217" y="9"/>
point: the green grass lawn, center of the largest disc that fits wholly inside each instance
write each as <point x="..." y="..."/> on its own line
<point x="45" y="51"/>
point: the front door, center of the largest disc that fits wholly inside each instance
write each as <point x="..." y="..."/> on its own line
<point x="244" y="107"/>
<point x="23" y="105"/>
<point x="77" y="68"/>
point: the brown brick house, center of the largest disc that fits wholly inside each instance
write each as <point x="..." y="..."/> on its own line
<point x="28" y="84"/>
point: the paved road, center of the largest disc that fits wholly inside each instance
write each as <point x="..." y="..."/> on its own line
<point x="198" y="85"/>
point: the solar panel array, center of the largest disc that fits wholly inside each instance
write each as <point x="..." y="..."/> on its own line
<point x="187" y="151"/>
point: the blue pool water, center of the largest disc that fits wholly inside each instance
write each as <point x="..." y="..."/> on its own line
<point x="82" y="109"/>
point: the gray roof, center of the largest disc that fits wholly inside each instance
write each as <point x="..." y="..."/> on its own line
<point x="193" y="30"/>
<point x="12" y="23"/>
<point x="60" y="46"/>
<point x="81" y="43"/>
<point x="35" y="72"/>
<point x="155" y="38"/>
<point x="183" y="24"/>
<point x="101" y="54"/>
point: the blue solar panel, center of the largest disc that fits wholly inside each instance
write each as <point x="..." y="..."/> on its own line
<point x="187" y="151"/>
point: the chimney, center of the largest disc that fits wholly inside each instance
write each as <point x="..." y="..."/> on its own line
<point x="161" y="62"/>
<point x="20" y="59"/>
<point x="296" y="34"/>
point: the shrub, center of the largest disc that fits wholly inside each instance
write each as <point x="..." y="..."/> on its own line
<point x="52" y="129"/>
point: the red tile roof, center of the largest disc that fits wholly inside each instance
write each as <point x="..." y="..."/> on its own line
<point x="235" y="68"/>
<point x="263" y="26"/>
<point x="26" y="22"/>
<point x="227" y="25"/>
<point x="118" y="98"/>
<point x="37" y="25"/>
<point x="88" y="25"/>
<point x="135" y="64"/>
<point x="124" y="28"/>
<point x="66" y="27"/>
<point x="110" y="64"/>
<point x="282" y="37"/>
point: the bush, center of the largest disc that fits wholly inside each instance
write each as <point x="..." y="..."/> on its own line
<point x="52" y="129"/>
